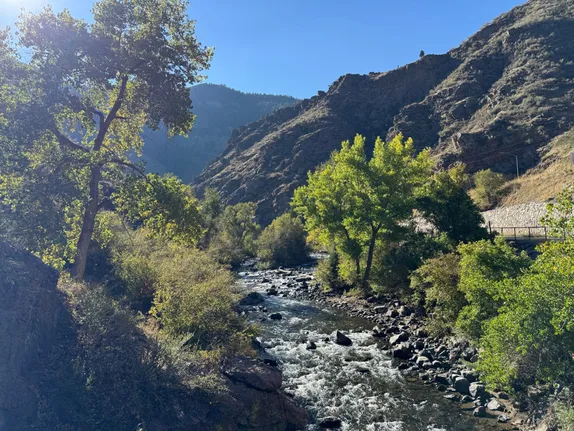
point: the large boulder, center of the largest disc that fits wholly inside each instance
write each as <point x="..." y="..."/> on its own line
<point x="254" y="374"/>
<point x="252" y="298"/>
<point x="342" y="339"/>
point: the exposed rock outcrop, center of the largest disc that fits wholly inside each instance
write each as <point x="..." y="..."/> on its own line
<point x="507" y="90"/>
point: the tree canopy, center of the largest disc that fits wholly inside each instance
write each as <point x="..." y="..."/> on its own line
<point x="76" y="108"/>
<point x="352" y="200"/>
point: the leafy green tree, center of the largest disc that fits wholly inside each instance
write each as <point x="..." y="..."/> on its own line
<point x="488" y="188"/>
<point x="328" y="272"/>
<point x="89" y="89"/>
<point x="211" y="208"/>
<point x="532" y="337"/>
<point x="560" y="215"/>
<point x="164" y="205"/>
<point x="444" y="202"/>
<point x="482" y="265"/>
<point x="237" y="231"/>
<point x="435" y="283"/>
<point x="283" y="242"/>
<point x="353" y="201"/>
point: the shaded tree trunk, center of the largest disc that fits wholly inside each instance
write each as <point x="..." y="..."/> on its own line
<point x="88" y="223"/>
<point x="372" y="242"/>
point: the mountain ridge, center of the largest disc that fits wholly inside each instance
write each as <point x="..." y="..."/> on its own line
<point x="219" y="110"/>
<point x="509" y="87"/>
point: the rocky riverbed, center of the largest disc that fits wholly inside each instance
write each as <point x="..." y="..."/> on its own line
<point x="368" y="364"/>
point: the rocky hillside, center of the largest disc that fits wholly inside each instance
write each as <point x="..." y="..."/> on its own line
<point x="219" y="110"/>
<point x="508" y="90"/>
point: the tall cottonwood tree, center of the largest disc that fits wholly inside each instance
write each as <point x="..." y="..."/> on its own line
<point x="82" y="98"/>
<point x="355" y="201"/>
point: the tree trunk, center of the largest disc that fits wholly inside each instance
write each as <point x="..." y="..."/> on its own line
<point x="372" y="241"/>
<point x="358" y="268"/>
<point x="88" y="223"/>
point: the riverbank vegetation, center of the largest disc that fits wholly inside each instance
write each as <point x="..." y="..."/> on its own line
<point x="393" y="226"/>
<point x="144" y="264"/>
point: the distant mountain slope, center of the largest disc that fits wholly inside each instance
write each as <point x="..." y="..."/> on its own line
<point x="508" y="90"/>
<point x="219" y="110"/>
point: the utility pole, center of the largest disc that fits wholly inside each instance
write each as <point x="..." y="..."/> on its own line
<point x="517" y="171"/>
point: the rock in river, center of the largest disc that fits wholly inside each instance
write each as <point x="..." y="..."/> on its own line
<point x="342" y="339"/>
<point x="252" y="298"/>
<point x="462" y="386"/>
<point x="275" y="316"/>
<point x="330" y="423"/>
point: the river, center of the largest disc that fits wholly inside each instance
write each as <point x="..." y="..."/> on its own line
<point x="361" y="384"/>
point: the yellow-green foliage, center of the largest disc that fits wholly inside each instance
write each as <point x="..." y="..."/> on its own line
<point x="532" y="336"/>
<point x="189" y="293"/>
<point x="164" y="205"/>
<point x="283" y="242"/>
<point x="488" y="188"/>
<point x="352" y="200"/>
<point x="237" y="230"/>
<point x="436" y="284"/>
<point x="328" y="273"/>
<point x="482" y="264"/>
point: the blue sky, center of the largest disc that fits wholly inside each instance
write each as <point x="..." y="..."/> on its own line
<point x="298" y="47"/>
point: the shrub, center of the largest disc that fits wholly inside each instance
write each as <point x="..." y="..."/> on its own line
<point x="565" y="416"/>
<point x="195" y="298"/>
<point x="189" y="293"/>
<point x="395" y="260"/>
<point x="283" y="242"/>
<point x="483" y="263"/>
<point x="488" y="188"/>
<point x="435" y="284"/>
<point x="532" y="337"/>
<point x="112" y="376"/>
<point x="328" y="273"/>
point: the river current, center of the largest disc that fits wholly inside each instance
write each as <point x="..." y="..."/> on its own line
<point x="360" y="384"/>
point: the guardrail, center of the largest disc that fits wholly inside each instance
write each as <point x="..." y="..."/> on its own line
<point x="524" y="232"/>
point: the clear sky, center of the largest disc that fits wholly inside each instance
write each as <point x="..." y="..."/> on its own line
<point x="298" y="47"/>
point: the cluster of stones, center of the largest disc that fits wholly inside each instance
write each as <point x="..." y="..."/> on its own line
<point x="435" y="361"/>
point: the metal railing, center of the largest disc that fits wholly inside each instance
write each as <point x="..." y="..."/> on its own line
<point x="523" y="232"/>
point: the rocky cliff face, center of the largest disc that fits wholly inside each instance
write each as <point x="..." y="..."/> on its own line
<point x="507" y="90"/>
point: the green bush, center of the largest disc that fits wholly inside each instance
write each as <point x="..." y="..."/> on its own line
<point x="564" y="416"/>
<point x="328" y="273"/>
<point x="395" y="260"/>
<point x="283" y="242"/>
<point x="195" y="298"/>
<point x="483" y="263"/>
<point x="532" y="337"/>
<point x="488" y="188"/>
<point x="435" y="284"/>
<point x="444" y="202"/>
<point x="237" y="230"/>
<point x="111" y="375"/>
<point x="190" y="294"/>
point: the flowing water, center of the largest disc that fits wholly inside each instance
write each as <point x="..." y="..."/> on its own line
<point x="359" y="384"/>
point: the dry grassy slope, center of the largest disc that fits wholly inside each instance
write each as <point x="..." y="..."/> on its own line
<point x="553" y="174"/>
<point x="507" y="90"/>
